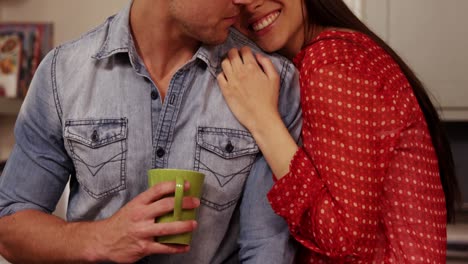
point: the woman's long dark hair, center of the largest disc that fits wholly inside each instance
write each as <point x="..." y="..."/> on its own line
<point x="335" y="13"/>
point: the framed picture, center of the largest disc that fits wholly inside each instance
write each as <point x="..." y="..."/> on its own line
<point x="35" y="41"/>
<point x="10" y="64"/>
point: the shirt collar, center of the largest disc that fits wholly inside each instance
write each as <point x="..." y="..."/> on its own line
<point x="120" y="40"/>
<point x="212" y="56"/>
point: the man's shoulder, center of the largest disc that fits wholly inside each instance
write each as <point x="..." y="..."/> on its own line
<point x="238" y="40"/>
<point x="70" y="56"/>
<point x="89" y="43"/>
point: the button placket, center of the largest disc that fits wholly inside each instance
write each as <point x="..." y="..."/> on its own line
<point x="154" y="95"/>
<point x="160" y="152"/>
<point x="164" y="129"/>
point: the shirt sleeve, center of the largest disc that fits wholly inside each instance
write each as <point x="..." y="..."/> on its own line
<point x="38" y="168"/>
<point x="331" y="196"/>
<point x="264" y="236"/>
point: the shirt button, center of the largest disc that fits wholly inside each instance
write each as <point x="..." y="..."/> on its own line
<point x="154" y="95"/>
<point x="95" y="136"/>
<point x="229" y="147"/>
<point x="160" y="152"/>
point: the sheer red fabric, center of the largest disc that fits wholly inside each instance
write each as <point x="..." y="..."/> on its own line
<point x="365" y="186"/>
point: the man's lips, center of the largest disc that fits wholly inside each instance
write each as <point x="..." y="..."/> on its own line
<point x="232" y="19"/>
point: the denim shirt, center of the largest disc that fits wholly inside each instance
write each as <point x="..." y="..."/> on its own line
<point x="94" y="116"/>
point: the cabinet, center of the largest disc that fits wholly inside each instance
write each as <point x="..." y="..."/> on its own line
<point x="432" y="37"/>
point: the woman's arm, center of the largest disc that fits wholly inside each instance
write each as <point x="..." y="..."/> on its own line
<point x="251" y="90"/>
<point x="331" y="188"/>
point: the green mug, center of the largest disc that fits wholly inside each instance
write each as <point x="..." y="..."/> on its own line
<point x="196" y="180"/>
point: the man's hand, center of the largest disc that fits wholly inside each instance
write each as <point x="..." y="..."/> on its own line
<point x="129" y="234"/>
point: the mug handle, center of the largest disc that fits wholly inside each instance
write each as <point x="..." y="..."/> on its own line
<point x="179" y="195"/>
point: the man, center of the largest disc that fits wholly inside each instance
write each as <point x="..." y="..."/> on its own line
<point x="136" y="93"/>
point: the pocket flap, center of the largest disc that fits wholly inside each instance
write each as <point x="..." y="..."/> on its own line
<point x="96" y="133"/>
<point x="226" y="143"/>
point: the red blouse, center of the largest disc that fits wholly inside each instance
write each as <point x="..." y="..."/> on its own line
<point x="365" y="186"/>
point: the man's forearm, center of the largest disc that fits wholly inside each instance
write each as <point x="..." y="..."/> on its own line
<point x="31" y="236"/>
<point x="35" y="237"/>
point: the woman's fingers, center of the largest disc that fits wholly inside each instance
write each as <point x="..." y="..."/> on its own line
<point x="248" y="56"/>
<point x="222" y="81"/>
<point x="227" y="69"/>
<point x="267" y="66"/>
<point x="235" y="58"/>
<point x="239" y="63"/>
<point x="243" y="61"/>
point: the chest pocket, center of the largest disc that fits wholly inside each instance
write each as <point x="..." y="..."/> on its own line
<point x="226" y="157"/>
<point x="98" y="149"/>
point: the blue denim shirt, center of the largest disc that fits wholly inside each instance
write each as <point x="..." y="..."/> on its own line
<point x="94" y="116"/>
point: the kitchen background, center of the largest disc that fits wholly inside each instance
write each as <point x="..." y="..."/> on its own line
<point x="431" y="35"/>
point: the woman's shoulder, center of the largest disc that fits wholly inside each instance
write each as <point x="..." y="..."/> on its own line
<point x="334" y="41"/>
<point x="341" y="36"/>
<point x="340" y="47"/>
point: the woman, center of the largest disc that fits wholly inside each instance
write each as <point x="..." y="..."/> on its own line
<point x="374" y="180"/>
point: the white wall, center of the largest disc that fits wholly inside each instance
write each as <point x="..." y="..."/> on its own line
<point x="356" y="6"/>
<point x="432" y="37"/>
<point x="70" y="17"/>
<point x="435" y="43"/>
<point x="375" y="15"/>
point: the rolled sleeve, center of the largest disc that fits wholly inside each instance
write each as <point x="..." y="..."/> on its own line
<point x="264" y="236"/>
<point x="38" y="168"/>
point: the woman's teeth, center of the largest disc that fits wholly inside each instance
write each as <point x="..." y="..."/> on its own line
<point x="265" y="22"/>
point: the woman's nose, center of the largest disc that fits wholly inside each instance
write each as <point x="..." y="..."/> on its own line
<point x="242" y="2"/>
<point x="250" y="5"/>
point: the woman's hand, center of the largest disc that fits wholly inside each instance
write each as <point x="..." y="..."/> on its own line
<point x="250" y="86"/>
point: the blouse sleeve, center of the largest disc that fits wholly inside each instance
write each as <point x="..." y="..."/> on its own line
<point x="331" y="196"/>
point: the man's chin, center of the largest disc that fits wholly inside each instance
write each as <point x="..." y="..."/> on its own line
<point x="216" y="40"/>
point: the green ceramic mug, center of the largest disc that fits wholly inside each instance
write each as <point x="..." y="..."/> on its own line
<point x="196" y="180"/>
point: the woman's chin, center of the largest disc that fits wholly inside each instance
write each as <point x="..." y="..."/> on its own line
<point x="267" y="48"/>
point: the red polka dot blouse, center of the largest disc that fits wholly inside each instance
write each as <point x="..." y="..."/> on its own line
<point x="365" y="186"/>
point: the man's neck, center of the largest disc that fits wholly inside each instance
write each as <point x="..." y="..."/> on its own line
<point x="159" y="41"/>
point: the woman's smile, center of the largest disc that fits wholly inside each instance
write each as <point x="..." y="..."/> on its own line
<point x="265" y="21"/>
